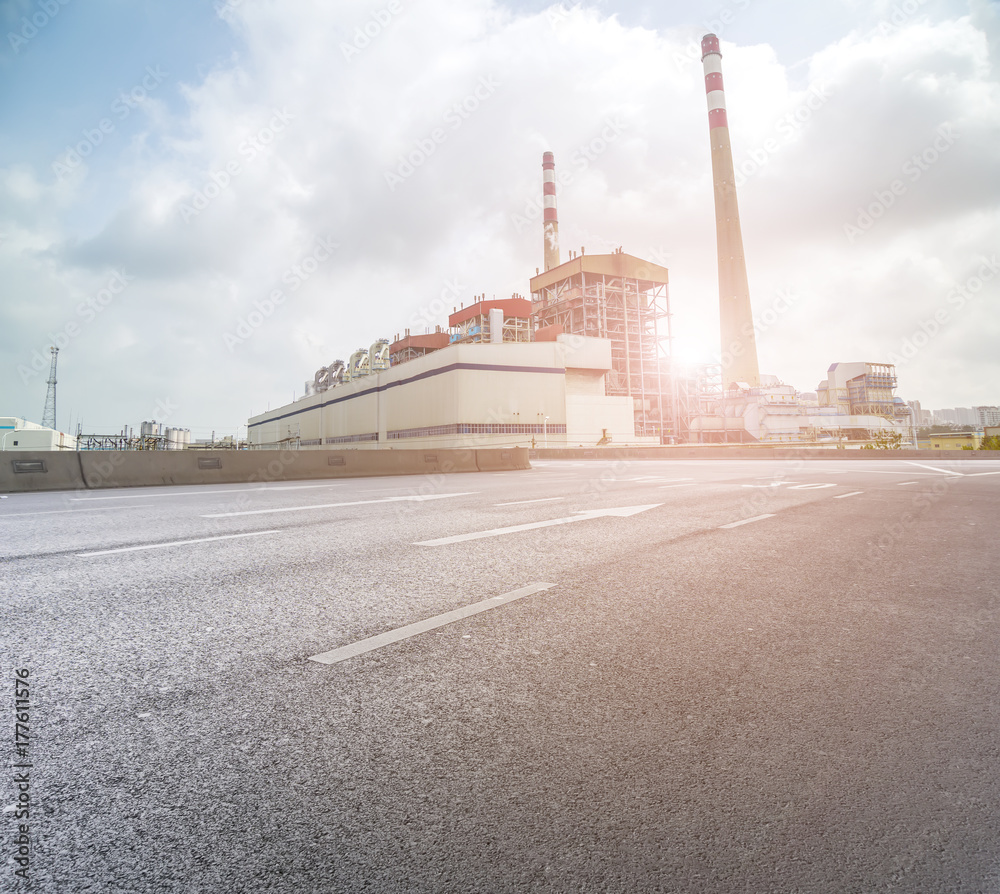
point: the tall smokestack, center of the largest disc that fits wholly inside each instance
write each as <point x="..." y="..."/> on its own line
<point x="739" y="347"/>
<point x="551" y="219"/>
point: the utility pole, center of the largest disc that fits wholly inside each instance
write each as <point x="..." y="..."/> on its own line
<point x="49" y="413"/>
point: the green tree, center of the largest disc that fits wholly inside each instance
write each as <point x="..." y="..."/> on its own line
<point x="885" y="440"/>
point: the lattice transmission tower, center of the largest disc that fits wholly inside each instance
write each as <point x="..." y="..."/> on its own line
<point x="49" y="414"/>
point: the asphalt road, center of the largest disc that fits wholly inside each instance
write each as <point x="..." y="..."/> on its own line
<point x="749" y="676"/>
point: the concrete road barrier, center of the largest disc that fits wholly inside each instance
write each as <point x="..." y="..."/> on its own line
<point x="502" y="459"/>
<point x="24" y="471"/>
<point x="94" y="469"/>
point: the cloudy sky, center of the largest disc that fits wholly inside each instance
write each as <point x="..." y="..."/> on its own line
<point x="201" y="203"/>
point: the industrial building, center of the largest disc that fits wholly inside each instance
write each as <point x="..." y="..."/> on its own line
<point x="585" y="361"/>
<point x="623" y="299"/>
<point x="19" y="434"/>
<point x="464" y="395"/>
<point x="854" y="403"/>
<point x="956" y="440"/>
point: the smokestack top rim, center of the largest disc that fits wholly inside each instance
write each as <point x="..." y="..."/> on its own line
<point x="710" y="45"/>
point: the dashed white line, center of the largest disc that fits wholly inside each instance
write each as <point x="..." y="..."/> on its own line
<point x="401" y="633"/>
<point x="132" y="549"/>
<point x="66" y="511"/>
<point x="904" y="483"/>
<point x="524" y="502"/>
<point x="195" y="493"/>
<point x="419" y="498"/>
<point x="693" y="484"/>
<point x="853" y="493"/>
<point x="747" y="521"/>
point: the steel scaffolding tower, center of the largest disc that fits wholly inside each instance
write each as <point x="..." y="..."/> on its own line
<point x="49" y="413"/>
<point x="624" y="299"/>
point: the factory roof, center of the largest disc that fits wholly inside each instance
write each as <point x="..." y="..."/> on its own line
<point x="615" y="264"/>
<point x="512" y="307"/>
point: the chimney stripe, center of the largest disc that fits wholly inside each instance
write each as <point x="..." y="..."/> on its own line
<point x="550" y="227"/>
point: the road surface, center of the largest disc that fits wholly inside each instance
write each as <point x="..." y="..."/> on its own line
<point x="670" y="676"/>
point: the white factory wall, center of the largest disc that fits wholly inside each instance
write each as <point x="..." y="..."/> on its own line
<point x="588" y="416"/>
<point x="505" y="386"/>
<point x="19" y="434"/>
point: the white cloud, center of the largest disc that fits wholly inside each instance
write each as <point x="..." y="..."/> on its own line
<point x="419" y="155"/>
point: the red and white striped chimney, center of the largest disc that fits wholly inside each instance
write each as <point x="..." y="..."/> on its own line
<point x="550" y="217"/>
<point x="739" y="347"/>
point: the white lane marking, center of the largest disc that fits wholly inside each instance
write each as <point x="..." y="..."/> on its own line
<point x="523" y="502"/>
<point x="904" y="483"/>
<point x="621" y="512"/>
<point x="132" y="549"/>
<point x="65" y="511"/>
<point x="693" y="484"/>
<point x="886" y="471"/>
<point x="409" y="499"/>
<point x="810" y="486"/>
<point x="933" y="468"/>
<point x="401" y="633"/>
<point x="747" y="521"/>
<point x="652" y="478"/>
<point x="979" y="474"/>
<point x="194" y="493"/>
<point x="853" y="493"/>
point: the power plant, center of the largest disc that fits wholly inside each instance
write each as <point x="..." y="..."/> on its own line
<point x="587" y="361"/>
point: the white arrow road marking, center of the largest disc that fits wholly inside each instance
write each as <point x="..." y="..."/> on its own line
<point x="933" y="468"/>
<point x="133" y="549"/>
<point x="401" y="633"/>
<point x="412" y="499"/>
<point x="621" y="512"/>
